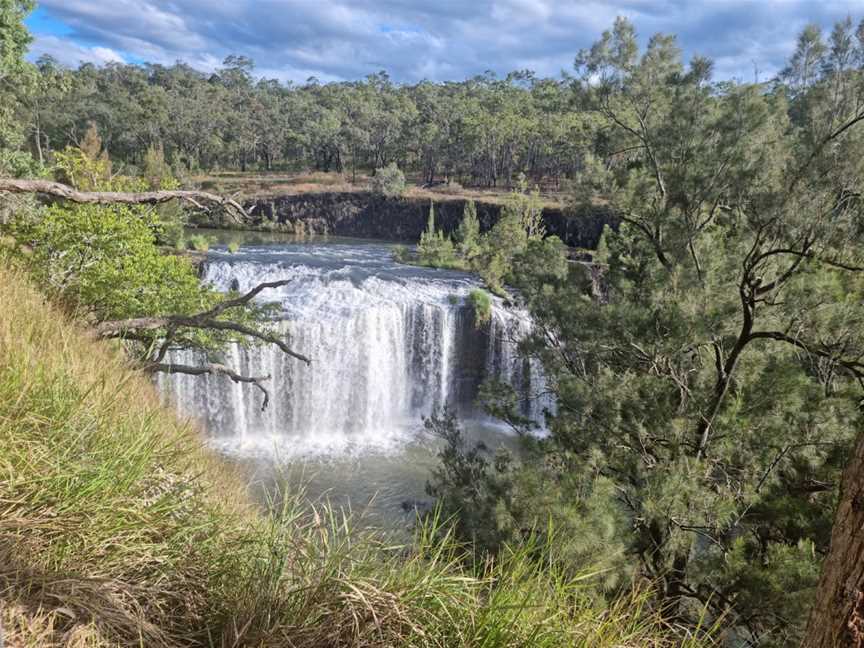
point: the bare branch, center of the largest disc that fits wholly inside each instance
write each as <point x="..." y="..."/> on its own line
<point x="203" y="320"/>
<point x="121" y="328"/>
<point x="212" y="369"/>
<point x="244" y="299"/>
<point x="196" y="198"/>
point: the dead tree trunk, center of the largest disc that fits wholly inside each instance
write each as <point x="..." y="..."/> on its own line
<point x="837" y="618"/>
<point x="199" y="199"/>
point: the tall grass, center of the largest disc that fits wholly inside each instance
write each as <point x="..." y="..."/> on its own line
<point x="117" y="528"/>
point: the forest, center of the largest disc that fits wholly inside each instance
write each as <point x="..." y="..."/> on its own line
<point x="482" y="131"/>
<point x="699" y="480"/>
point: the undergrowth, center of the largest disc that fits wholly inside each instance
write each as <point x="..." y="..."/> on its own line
<point x="118" y="528"/>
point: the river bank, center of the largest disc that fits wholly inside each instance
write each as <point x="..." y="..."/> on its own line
<point x="364" y="214"/>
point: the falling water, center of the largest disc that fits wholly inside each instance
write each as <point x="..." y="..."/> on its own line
<point x="389" y="344"/>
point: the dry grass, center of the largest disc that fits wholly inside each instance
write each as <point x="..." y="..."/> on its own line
<point x="268" y="185"/>
<point x="118" y="529"/>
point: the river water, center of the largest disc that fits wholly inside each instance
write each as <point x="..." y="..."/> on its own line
<point x="389" y="343"/>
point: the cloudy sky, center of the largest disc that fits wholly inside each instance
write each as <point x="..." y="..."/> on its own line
<point x="417" y="39"/>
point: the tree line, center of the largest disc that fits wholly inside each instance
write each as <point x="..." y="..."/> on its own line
<point x="482" y="131"/>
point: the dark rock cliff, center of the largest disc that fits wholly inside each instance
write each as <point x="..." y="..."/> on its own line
<point x="367" y="215"/>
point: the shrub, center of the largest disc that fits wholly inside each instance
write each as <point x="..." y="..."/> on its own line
<point x="482" y="305"/>
<point x="435" y="248"/>
<point x="198" y="242"/>
<point x="400" y="254"/>
<point x="388" y="181"/>
<point x="233" y="247"/>
<point x="467" y="235"/>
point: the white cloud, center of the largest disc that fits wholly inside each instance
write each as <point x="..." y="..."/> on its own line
<point x="446" y="39"/>
<point x="72" y="54"/>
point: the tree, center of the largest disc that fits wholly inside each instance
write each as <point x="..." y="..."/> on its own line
<point x="717" y="389"/>
<point x="15" y="37"/>
<point x="837" y="618"/>
<point x="388" y="181"/>
<point x="467" y="236"/>
<point x="435" y="247"/>
<point x="16" y="83"/>
<point x="98" y="254"/>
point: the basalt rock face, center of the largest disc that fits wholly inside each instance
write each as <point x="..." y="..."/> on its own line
<point x="367" y="215"/>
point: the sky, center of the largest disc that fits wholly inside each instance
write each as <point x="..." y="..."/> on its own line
<point x="439" y="40"/>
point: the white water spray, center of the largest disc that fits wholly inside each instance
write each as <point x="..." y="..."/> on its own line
<point x="389" y="344"/>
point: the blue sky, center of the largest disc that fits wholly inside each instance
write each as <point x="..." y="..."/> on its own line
<point x="415" y="39"/>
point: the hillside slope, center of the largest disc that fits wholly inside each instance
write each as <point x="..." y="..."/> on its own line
<point x="118" y="528"/>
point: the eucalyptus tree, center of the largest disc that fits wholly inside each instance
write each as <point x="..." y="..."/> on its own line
<point x="243" y="109"/>
<point x="16" y="82"/>
<point x="484" y="129"/>
<point x="267" y="117"/>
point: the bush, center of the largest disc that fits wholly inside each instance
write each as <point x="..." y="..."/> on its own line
<point x="198" y="242"/>
<point x="435" y="248"/>
<point x="400" y="254"/>
<point x="388" y="181"/>
<point x="482" y="305"/>
<point x="468" y="234"/>
<point x="233" y="247"/>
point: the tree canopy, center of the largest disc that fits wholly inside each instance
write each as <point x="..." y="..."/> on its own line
<point x="706" y="407"/>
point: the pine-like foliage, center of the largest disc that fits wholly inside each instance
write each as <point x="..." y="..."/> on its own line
<point x="717" y="391"/>
<point x="435" y="247"/>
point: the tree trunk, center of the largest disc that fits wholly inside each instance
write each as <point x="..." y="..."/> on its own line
<point x="58" y="190"/>
<point x="837" y="618"/>
<point x="39" y="144"/>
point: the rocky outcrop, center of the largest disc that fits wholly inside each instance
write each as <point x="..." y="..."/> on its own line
<point x="367" y="215"/>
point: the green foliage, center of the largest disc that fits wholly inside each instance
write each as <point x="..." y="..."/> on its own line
<point x="520" y="223"/>
<point x="467" y="236"/>
<point x="14" y="37"/>
<point x="498" y="502"/>
<point x="481" y="303"/>
<point x="400" y="253"/>
<point x="719" y="431"/>
<point x="198" y="243"/>
<point x="482" y="130"/>
<point x="435" y="248"/>
<point x="170" y="218"/>
<point x="103" y="261"/>
<point x="495" y="254"/>
<point x="467" y="486"/>
<point x="234" y="247"/>
<point x="527" y="207"/>
<point x="705" y="411"/>
<point x="388" y="181"/>
<point x="17" y="82"/>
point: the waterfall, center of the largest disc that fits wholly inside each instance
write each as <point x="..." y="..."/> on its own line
<point x="389" y="344"/>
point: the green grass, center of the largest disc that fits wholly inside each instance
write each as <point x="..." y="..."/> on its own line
<point x="118" y="528"/>
<point x="482" y="305"/>
<point x="198" y="243"/>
